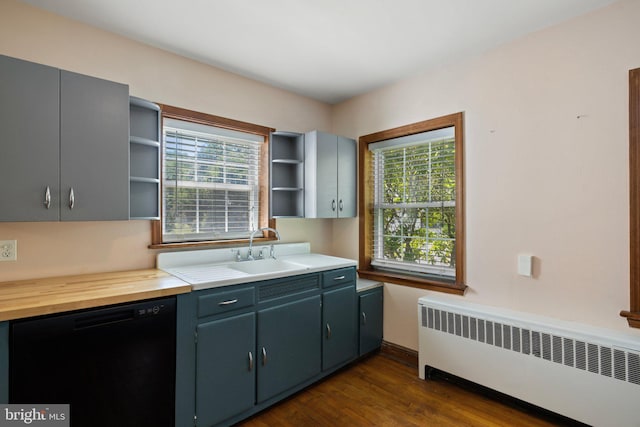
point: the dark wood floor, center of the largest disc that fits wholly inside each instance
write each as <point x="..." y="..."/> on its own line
<point x="380" y="391"/>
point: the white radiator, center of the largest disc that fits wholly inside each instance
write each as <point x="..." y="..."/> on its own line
<point x="588" y="374"/>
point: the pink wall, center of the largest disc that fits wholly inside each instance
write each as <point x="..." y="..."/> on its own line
<point x="50" y="249"/>
<point x="539" y="180"/>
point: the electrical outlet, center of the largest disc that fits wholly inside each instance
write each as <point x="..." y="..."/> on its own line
<point x="8" y="250"/>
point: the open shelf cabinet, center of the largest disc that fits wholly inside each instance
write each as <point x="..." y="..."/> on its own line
<point x="144" y="159"/>
<point x="286" y="186"/>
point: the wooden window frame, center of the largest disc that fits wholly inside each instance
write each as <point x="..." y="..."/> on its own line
<point x="365" y="206"/>
<point x="177" y="113"/>
<point x="633" y="314"/>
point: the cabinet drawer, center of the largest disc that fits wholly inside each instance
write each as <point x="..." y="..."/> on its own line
<point x="338" y="277"/>
<point x="222" y="302"/>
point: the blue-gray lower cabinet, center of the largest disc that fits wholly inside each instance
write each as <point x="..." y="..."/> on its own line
<point x="288" y="346"/>
<point x="4" y="362"/>
<point x="371" y="309"/>
<point x="340" y="331"/>
<point x="242" y="348"/>
<point x="225" y="361"/>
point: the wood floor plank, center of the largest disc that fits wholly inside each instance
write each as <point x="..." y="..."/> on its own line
<point x="379" y="391"/>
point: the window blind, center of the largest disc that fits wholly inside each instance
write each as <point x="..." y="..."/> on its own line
<point x="210" y="182"/>
<point x="414" y="203"/>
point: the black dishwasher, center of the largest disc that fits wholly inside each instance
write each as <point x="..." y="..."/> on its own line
<point x="115" y="366"/>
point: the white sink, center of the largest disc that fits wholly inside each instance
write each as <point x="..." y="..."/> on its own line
<point x="212" y="268"/>
<point x="265" y="266"/>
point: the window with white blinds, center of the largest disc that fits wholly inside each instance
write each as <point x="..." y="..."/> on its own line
<point x="414" y="203"/>
<point x="210" y="182"/>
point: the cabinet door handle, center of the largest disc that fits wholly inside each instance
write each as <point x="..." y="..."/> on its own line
<point x="72" y="198"/>
<point x="328" y="331"/>
<point x="340" y="204"/>
<point x="333" y="205"/>
<point x="264" y="356"/>
<point x="339" y="278"/>
<point x="250" y="361"/>
<point x="364" y="318"/>
<point x="228" y="302"/>
<point x="47" y="198"/>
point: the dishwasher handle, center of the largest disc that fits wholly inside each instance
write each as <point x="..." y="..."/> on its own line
<point x="103" y="319"/>
<point x="113" y="315"/>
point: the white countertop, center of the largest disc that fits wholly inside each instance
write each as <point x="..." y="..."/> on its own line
<point x="366" y="284"/>
<point x="213" y="268"/>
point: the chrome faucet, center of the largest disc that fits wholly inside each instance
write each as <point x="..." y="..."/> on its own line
<point x="250" y="252"/>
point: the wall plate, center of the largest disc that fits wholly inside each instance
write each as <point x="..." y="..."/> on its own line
<point x="8" y="250"/>
<point x="525" y="264"/>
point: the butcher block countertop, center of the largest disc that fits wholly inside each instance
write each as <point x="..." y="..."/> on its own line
<point x="28" y="298"/>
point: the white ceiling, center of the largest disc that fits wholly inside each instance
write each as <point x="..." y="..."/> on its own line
<point x="329" y="50"/>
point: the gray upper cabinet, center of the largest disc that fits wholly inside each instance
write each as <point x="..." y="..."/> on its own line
<point x="65" y="145"/>
<point x="94" y="148"/>
<point x="29" y="167"/>
<point x="330" y="176"/>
